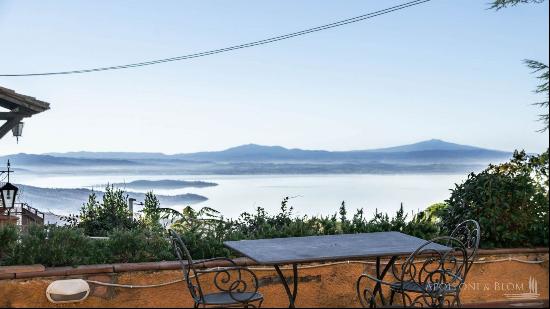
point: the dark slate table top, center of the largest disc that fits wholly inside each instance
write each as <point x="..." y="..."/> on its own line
<point x="328" y="248"/>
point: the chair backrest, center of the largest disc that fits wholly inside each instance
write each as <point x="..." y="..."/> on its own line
<point x="434" y="272"/>
<point x="186" y="261"/>
<point x="468" y="232"/>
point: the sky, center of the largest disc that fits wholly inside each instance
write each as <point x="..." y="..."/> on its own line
<point x="449" y="70"/>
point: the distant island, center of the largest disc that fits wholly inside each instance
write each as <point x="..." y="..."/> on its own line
<point x="164" y="184"/>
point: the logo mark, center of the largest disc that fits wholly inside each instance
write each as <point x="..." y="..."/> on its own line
<point x="531" y="295"/>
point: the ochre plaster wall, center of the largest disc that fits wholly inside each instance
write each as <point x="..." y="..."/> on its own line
<point x="326" y="286"/>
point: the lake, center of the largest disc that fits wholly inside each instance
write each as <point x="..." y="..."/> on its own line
<point x="311" y="194"/>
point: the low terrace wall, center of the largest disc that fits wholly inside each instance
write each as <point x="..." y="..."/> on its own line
<point x="496" y="274"/>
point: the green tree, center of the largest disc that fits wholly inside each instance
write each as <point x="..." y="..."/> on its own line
<point x="151" y="212"/>
<point x="537" y="67"/>
<point x="500" y="4"/>
<point x="100" y="218"/>
<point x="436" y="211"/>
<point x="541" y="69"/>
<point x="509" y="200"/>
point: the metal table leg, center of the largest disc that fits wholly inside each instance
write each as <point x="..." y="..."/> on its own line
<point x="380" y="276"/>
<point x="291" y="295"/>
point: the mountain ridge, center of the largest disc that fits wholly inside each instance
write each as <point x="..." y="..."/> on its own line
<point x="251" y="148"/>
<point x="426" y="156"/>
<point x="432" y="144"/>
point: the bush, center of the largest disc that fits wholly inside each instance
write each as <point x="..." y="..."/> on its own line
<point x="138" y="245"/>
<point x="510" y="201"/>
<point x="51" y="246"/>
<point x="99" y="219"/>
<point x="68" y="246"/>
<point x="8" y="240"/>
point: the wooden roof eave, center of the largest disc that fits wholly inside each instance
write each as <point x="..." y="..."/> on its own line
<point x="21" y="103"/>
<point x="20" y="106"/>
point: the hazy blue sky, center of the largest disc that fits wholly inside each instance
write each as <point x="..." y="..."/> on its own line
<point x="446" y="69"/>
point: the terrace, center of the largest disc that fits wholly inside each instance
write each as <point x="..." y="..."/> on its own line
<point x="109" y="254"/>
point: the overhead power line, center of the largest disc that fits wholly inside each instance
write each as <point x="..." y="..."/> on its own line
<point x="235" y="47"/>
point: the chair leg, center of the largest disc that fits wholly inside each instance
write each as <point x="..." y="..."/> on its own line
<point x="457" y="301"/>
<point x="403" y="299"/>
<point x="251" y="305"/>
<point x="392" y="295"/>
<point x="441" y="301"/>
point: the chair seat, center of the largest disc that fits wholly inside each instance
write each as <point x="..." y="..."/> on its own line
<point x="225" y="298"/>
<point x="411" y="286"/>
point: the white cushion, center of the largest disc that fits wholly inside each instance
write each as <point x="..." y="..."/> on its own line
<point x="67" y="291"/>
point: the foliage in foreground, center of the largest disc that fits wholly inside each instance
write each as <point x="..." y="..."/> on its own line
<point x="509" y="200"/>
<point x="100" y="218"/>
<point x="203" y="231"/>
<point x="68" y="246"/>
<point x="204" y="235"/>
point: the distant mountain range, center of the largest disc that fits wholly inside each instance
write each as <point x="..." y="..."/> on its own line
<point x="427" y="151"/>
<point x="45" y="159"/>
<point x="430" y="156"/>
<point x="253" y="152"/>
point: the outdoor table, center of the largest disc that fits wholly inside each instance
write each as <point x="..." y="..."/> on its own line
<point x="295" y="250"/>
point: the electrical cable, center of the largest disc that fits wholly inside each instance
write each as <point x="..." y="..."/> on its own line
<point x="235" y="47"/>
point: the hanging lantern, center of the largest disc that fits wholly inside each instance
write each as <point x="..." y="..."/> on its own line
<point x="18" y="130"/>
<point x="7" y="194"/>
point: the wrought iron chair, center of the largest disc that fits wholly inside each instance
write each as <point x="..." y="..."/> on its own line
<point x="469" y="233"/>
<point x="236" y="286"/>
<point x="428" y="277"/>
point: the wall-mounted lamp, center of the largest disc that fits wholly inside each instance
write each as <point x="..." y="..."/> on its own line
<point x="18" y="130"/>
<point x="8" y="192"/>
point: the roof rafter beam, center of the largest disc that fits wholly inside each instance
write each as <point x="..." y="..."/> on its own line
<point x="12" y="114"/>
<point x="8" y="125"/>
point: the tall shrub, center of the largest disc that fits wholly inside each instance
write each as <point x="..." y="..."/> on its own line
<point x="509" y="200"/>
<point x="151" y="212"/>
<point x="100" y="218"/>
